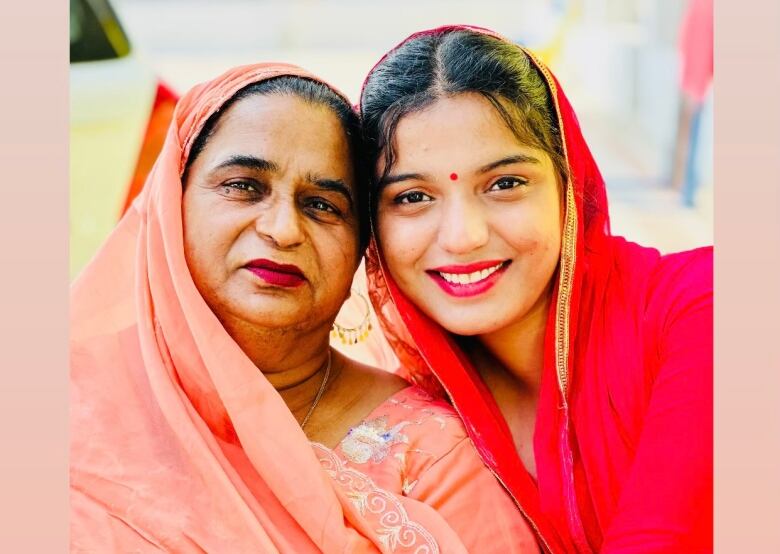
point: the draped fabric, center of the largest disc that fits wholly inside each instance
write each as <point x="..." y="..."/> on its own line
<point x="623" y="437"/>
<point x="178" y="442"/>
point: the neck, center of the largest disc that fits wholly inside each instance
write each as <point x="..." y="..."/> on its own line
<point x="518" y="348"/>
<point x="293" y="360"/>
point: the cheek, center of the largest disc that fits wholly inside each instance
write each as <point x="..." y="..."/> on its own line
<point x="193" y="230"/>
<point x="337" y="254"/>
<point x="208" y="236"/>
<point x="533" y="227"/>
<point x="403" y="241"/>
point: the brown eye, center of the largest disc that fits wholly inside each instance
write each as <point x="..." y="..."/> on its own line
<point x="321" y="205"/>
<point x="507" y="183"/>
<point x="412" y="197"/>
<point x="241" y="188"/>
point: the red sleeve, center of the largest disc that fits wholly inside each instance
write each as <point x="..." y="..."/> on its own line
<point x="666" y="502"/>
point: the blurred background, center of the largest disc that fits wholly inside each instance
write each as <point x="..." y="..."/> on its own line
<point x="636" y="71"/>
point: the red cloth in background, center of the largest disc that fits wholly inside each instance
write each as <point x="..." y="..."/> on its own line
<point x="696" y="45"/>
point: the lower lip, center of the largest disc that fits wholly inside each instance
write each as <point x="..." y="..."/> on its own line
<point x="469" y="289"/>
<point x="277" y="278"/>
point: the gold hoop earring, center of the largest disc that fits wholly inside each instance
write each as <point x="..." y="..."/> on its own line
<point x="359" y="333"/>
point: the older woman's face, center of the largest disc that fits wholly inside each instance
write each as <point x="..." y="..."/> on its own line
<point x="270" y="228"/>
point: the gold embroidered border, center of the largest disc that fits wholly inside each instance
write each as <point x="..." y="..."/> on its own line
<point x="568" y="248"/>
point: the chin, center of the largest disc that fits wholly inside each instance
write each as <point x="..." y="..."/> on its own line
<point x="271" y="315"/>
<point x="468" y="327"/>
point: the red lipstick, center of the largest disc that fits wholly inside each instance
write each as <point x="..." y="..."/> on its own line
<point x="468" y="268"/>
<point x="468" y="279"/>
<point x="278" y="275"/>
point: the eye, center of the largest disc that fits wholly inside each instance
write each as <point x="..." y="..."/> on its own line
<point x="412" y="197"/>
<point x="240" y="189"/>
<point x="507" y="183"/>
<point x="321" y="205"/>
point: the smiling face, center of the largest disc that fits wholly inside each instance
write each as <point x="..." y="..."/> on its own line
<point x="469" y="218"/>
<point x="270" y="229"/>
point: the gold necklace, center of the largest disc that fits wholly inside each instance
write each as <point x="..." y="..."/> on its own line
<point x="319" y="392"/>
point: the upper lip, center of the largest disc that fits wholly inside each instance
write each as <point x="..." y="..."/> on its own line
<point x="274" y="266"/>
<point x="467" y="268"/>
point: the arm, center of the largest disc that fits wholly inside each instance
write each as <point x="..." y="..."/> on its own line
<point x="666" y="502"/>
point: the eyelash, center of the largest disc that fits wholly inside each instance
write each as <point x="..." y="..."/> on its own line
<point x="329" y="208"/>
<point x="519" y="181"/>
<point x="245" y="188"/>
<point x="405" y="198"/>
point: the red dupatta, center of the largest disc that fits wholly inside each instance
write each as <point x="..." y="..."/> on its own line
<point x="567" y="508"/>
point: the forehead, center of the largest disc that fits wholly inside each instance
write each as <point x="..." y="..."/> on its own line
<point x="282" y="128"/>
<point x="455" y="129"/>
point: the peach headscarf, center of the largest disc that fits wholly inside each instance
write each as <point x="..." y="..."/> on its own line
<point x="178" y="442"/>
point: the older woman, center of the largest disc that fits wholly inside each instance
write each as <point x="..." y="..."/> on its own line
<point x="208" y="411"/>
<point x="580" y="362"/>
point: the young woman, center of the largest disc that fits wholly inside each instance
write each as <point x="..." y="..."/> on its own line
<point x="208" y="412"/>
<point x="581" y="363"/>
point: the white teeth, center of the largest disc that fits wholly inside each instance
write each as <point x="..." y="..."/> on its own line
<point x="470" y="278"/>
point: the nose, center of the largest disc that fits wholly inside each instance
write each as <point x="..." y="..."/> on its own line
<point x="281" y="223"/>
<point x="463" y="227"/>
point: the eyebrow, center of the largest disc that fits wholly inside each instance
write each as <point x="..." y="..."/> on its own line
<point x="509" y="160"/>
<point x="250" y="162"/>
<point x="335" y="185"/>
<point x="390" y="179"/>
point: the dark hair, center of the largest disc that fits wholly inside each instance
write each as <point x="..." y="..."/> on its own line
<point x="313" y="92"/>
<point x="433" y="66"/>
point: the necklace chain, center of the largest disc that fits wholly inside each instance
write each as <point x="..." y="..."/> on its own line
<point x="319" y="392"/>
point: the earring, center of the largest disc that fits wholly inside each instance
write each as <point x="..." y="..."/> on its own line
<point x="359" y="333"/>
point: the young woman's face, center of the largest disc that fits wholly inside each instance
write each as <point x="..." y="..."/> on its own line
<point x="270" y="227"/>
<point x="469" y="218"/>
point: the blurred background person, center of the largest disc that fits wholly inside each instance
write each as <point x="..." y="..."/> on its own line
<point x="696" y="67"/>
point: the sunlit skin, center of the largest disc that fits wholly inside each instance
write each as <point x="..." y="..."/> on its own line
<point x="275" y="182"/>
<point x="504" y="206"/>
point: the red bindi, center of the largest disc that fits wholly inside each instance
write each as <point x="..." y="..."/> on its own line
<point x="453" y="176"/>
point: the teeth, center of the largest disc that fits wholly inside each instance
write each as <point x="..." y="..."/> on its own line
<point x="470" y="278"/>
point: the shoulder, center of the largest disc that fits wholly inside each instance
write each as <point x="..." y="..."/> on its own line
<point x="666" y="300"/>
<point x="661" y="283"/>
<point x="688" y="269"/>
<point x="685" y="268"/>
<point x="410" y="426"/>
<point x="420" y="418"/>
<point x="677" y="316"/>
<point x="371" y="382"/>
<point x="426" y="417"/>
<point x="680" y="284"/>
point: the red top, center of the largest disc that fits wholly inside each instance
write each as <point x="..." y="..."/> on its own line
<point x="623" y="437"/>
